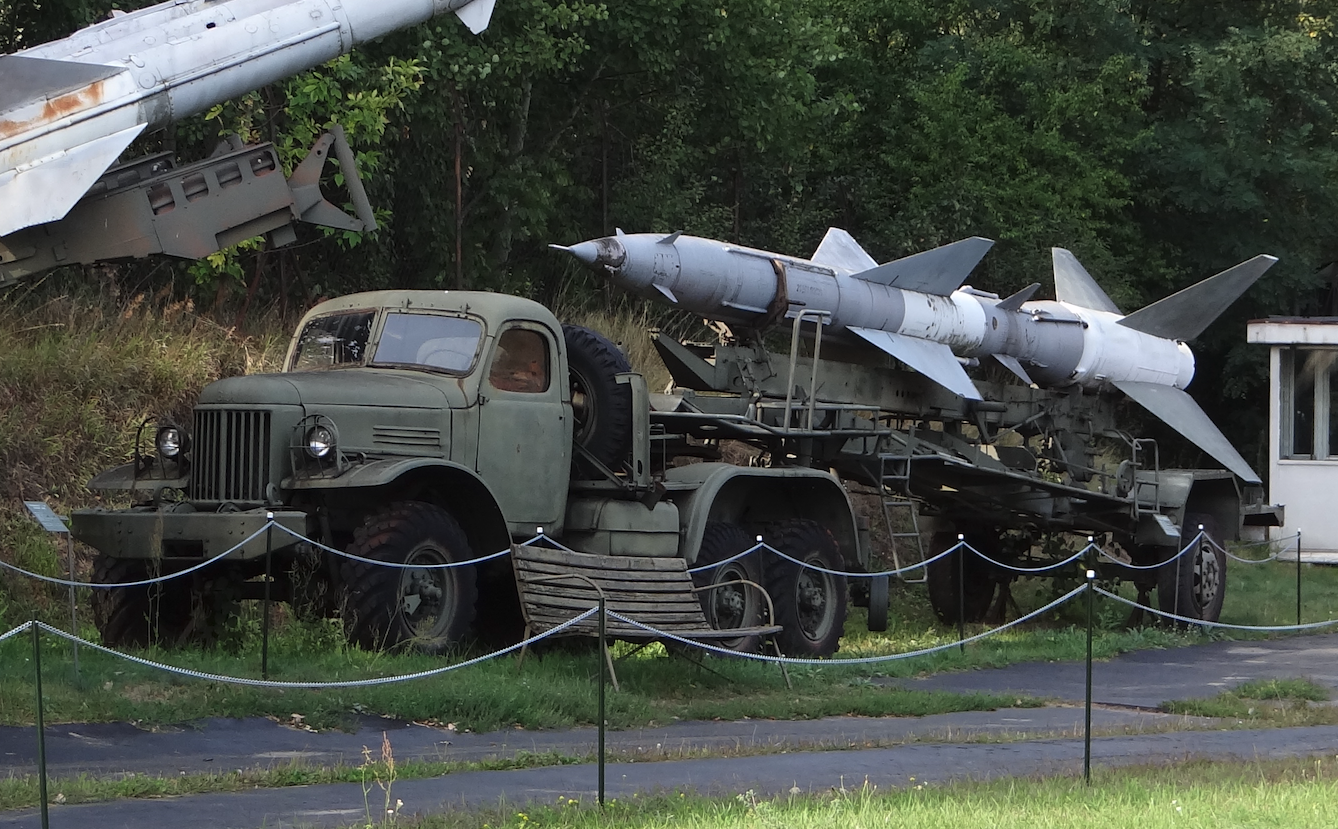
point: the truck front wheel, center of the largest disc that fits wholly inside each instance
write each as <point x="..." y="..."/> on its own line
<point x="424" y="606"/>
<point x="141" y="615"/>
<point x="810" y="603"/>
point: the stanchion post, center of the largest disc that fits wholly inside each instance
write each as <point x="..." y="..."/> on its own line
<point x="74" y="618"/>
<point x="41" y="725"/>
<point x="961" y="592"/>
<point x="603" y="662"/>
<point x="264" y="617"/>
<point x="1087" y="719"/>
<point x="1298" y="577"/>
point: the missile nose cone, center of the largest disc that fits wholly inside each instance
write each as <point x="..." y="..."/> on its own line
<point x="598" y="253"/>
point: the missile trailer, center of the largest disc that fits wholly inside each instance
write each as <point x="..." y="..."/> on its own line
<point x="1024" y="477"/>
<point x="429" y="427"/>
<point x="422" y="428"/>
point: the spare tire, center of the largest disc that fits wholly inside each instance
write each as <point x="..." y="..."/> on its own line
<point x="601" y="406"/>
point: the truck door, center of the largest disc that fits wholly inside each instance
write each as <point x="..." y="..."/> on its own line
<point x="524" y="430"/>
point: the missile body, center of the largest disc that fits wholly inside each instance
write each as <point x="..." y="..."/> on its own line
<point x="918" y="310"/>
<point x="68" y="108"/>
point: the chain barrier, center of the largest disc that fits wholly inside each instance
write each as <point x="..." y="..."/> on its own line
<point x="16" y="631"/>
<point x="1223" y="625"/>
<point x="393" y="564"/>
<point x="859" y="660"/>
<point x="97" y="585"/>
<point x="762" y="545"/>
<point x="313" y="685"/>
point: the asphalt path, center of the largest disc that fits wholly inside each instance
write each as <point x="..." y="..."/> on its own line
<point x="803" y="756"/>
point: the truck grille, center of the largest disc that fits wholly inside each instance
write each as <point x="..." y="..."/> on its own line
<point x="231" y="455"/>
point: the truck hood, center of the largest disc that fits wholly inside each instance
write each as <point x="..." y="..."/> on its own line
<point x="342" y="387"/>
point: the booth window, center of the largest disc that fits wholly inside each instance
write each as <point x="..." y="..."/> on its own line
<point x="1309" y="398"/>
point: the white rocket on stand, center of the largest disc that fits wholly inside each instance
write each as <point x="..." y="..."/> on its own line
<point x="918" y="310"/>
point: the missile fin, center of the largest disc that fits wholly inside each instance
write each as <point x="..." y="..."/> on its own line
<point x="1074" y="285"/>
<point x="1184" y="315"/>
<point x="840" y="251"/>
<point x="1015" y="301"/>
<point x="939" y="271"/>
<point x="476" y="15"/>
<point x="670" y="239"/>
<point x="666" y="293"/>
<point x="934" y="360"/>
<point x="1010" y="362"/>
<point x="1179" y="411"/>
<point x="48" y="189"/>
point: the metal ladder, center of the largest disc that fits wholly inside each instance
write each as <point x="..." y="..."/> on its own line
<point x="895" y="477"/>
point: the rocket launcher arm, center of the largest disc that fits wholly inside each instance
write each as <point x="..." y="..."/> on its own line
<point x="150" y="206"/>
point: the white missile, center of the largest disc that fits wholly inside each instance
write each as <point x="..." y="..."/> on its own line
<point x="919" y="310"/>
<point x="68" y="108"/>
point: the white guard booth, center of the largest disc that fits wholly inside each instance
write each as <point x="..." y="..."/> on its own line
<point x="1303" y="429"/>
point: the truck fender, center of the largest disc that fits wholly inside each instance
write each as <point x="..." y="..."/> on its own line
<point x="752" y="497"/>
<point x="451" y="485"/>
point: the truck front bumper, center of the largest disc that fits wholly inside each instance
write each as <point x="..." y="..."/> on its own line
<point x="151" y="533"/>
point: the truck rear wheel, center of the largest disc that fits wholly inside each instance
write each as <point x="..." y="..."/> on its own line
<point x="428" y="608"/>
<point x="810" y="604"/>
<point x="942" y="578"/>
<point x="136" y="617"/>
<point x="733" y="605"/>
<point x="1194" y="585"/>
<point x="601" y="406"/>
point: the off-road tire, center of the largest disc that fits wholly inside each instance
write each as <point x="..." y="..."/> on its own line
<point x="382" y="602"/>
<point x="810" y="605"/>
<point x="878" y="603"/>
<point x="1194" y="585"/>
<point x="736" y="605"/>
<point x="942" y="578"/>
<point x="136" y="617"/>
<point x="601" y="406"/>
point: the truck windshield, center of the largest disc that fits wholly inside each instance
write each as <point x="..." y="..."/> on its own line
<point x="429" y="340"/>
<point x="333" y="341"/>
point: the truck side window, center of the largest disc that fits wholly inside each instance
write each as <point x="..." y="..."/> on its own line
<point x="521" y="362"/>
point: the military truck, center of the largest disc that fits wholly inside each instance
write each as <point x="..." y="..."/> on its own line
<point x="417" y="428"/>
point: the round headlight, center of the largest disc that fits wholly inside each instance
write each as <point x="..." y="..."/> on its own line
<point x="320" y="440"/>
<point x="169" y="441"/>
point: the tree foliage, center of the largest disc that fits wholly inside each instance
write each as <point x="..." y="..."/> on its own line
<point x="1160" y="141"/>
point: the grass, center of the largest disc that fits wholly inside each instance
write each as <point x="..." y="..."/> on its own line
<point x="1265" y="702"/>
<point x="1299" y="794"/>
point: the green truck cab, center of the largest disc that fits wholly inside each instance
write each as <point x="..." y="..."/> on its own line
<point x="418" y="428"/>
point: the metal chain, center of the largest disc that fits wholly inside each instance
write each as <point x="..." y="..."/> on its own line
<point x="859" y="660"/>
<point x="353" y="683"/>
<point x="1206" y="623"/>
<point x="16" y="631"/>
<point x="97" y="585"/>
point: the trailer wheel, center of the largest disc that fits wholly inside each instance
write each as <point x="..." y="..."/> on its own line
<point x="427" y="609"/>
<point x="136" y="617"/>
<point x="878" y="601"/>
<point x="810" y="604"/>
<point x="734" y="605"/>
<point x="942" y="578"/>
<point x="1194" y="585"/>
<point x="601" y="406"/>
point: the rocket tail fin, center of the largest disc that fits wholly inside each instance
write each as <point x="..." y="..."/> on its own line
<point x="476" y="15"/>
<point x="1015" y="301"/>
<point x="1184" y="315"/>
<point x="934" y="360"/>
<point x="839" y="250"/>
<point x="1075" y="286"/>
<point x="939" y="271"/>
<point x="1179" y="411"/>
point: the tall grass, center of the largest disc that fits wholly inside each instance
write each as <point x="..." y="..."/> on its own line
<point x="79" y="373"/>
